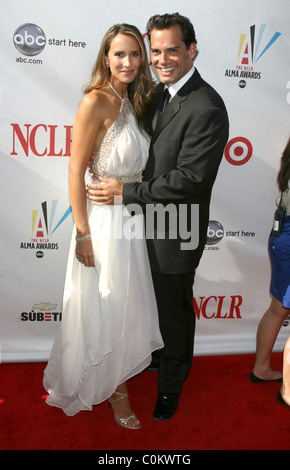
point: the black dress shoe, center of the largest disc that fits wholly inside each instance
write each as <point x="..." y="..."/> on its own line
<point x="256" y="380"/>
<point x="166" y="406"/>
<point x="281" y="399"/>
<point x="154" y="365"/>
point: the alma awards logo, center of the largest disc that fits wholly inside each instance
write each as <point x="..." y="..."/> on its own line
<point x="43" y="226"/>
<point x="252" y="47"/>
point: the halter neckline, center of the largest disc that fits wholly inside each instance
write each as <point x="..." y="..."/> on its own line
<point x="115" y="91"/>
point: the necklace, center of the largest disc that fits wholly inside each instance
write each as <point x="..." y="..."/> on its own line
<point x="116" y="92"/>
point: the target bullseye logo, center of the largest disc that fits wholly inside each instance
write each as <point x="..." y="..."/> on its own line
<point x="238" y="151"/>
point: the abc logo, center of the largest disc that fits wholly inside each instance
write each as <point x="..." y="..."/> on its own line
<point x="215" y="232"/>
<point x="29" y="39"/>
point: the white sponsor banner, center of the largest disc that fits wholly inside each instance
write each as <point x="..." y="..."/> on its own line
<point x="47" y="53"/>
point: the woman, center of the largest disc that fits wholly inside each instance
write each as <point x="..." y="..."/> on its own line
<point x="110" y="323"/>
<point x="279" y="309"/>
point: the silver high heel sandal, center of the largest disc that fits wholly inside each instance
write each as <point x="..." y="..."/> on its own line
<point x="123" y="422"/>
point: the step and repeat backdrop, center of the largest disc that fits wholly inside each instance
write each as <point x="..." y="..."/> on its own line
<point x="48" y="49"/>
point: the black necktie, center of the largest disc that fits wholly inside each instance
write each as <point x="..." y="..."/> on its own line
<point x="165" y="99"/>
<point x="164" y="102"/>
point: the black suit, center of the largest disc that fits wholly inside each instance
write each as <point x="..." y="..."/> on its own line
<point x="186" y="149"/>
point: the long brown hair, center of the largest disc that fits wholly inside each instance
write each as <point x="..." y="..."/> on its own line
<point x="141" y="90"/>
<point x="284" y="172"/>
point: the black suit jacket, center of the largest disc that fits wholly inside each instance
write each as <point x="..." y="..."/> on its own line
<point x="186" y="149"/>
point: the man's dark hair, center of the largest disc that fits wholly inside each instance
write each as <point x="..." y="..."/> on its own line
<point x="168" y="20"/>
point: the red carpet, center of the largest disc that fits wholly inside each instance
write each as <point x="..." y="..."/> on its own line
<point x="220" y="409"/>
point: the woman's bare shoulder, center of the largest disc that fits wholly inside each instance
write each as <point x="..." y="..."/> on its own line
<point x="94" y="102"/>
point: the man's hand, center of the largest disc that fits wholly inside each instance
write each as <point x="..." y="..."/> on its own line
<point x="109" y="192"/>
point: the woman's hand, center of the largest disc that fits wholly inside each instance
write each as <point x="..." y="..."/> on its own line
<point x="84" y="253"/>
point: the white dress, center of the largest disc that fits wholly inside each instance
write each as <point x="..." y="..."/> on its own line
<point x="109" y="322"/>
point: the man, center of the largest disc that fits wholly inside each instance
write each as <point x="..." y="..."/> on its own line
<point x="188" y="139"/>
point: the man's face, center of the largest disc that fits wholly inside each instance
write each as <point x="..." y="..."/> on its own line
<point x="169" y="54"/>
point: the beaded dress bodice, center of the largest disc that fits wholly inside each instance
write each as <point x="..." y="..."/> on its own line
<point x="124" y="151"/>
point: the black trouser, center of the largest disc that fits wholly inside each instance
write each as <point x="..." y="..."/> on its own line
<point x="174" y="297"/>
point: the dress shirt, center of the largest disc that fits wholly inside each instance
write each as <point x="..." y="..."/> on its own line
<point x="173" y="89"/>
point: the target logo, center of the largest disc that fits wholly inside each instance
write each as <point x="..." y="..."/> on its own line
<point x="238" y="151"/>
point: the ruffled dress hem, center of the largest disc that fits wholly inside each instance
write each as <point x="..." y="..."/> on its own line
<point x="73" y="404"/>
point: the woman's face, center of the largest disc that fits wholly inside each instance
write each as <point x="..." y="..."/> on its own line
<point x="124" y="58"/>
